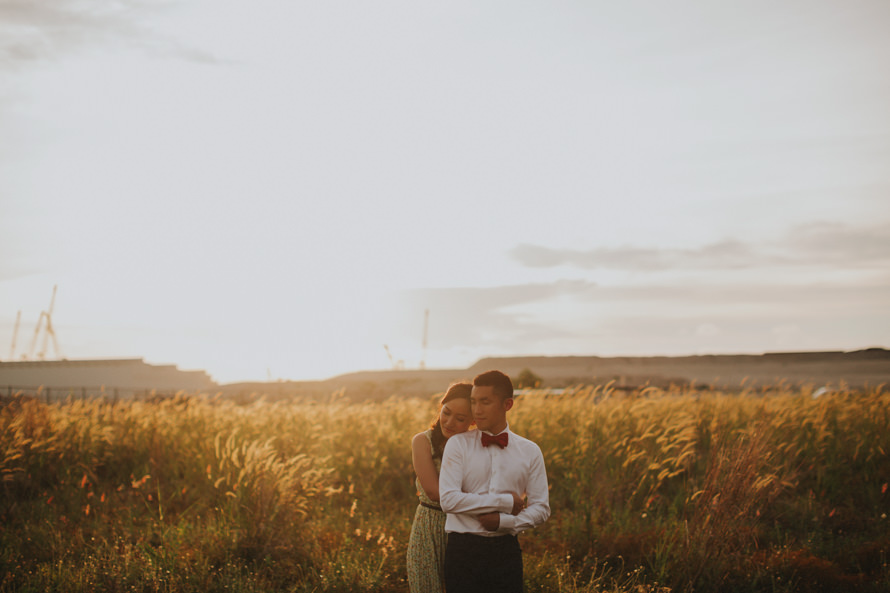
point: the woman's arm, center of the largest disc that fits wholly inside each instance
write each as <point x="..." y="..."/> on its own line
<point x="422" y="458"/>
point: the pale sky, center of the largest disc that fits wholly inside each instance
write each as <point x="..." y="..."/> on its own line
<point x="280" y="188"/>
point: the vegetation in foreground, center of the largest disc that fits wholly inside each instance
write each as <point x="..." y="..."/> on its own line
<point x="677" y="490"/>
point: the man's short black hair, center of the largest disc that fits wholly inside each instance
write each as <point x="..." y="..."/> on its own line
<point x="498" y="381"/>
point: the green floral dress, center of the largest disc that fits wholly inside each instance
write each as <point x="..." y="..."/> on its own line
<point x="426" y="547"/>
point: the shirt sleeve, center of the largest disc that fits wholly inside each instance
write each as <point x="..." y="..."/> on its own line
<point x="538" y="509"/>
<point x="452" y="499"/>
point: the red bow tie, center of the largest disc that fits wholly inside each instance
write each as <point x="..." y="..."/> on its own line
<point x="500" y="440"/>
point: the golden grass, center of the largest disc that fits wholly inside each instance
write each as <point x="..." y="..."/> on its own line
<point x="655" y="490"/>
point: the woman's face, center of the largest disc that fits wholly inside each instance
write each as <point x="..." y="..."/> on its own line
<point x="455" y="417"/>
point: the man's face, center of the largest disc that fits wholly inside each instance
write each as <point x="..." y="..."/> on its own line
<point x="489" y="410"/>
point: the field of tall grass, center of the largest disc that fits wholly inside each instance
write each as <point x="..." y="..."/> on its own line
<point x="651" y="491"/>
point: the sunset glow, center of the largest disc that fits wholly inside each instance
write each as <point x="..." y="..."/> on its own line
<point x="280" y="191"/>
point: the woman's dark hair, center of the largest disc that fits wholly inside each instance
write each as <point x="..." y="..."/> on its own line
<point x="460" y="390"/>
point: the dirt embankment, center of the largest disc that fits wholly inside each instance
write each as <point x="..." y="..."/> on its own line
<point x="856" y="369"/>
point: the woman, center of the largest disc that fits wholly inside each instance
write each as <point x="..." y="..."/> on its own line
<point x="426" y="547"/>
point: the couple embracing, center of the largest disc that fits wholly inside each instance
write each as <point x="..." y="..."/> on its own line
<point x="478" y="490"/>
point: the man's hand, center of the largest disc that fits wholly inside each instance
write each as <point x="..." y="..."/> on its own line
<point x="518" y="504"/>
<point x="490" y="521"/>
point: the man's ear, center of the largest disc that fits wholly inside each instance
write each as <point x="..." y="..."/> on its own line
<point x="508" y="403"/>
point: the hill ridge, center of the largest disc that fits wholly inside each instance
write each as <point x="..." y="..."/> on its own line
<point x="856" y="369"/>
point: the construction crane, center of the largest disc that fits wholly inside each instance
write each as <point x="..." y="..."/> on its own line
<point x="15" y="333"/>
<point x="50" y="332"/>
<point x="47" y="318"/>
<point x="426" y="330"/>
<point x="397" y="365"/>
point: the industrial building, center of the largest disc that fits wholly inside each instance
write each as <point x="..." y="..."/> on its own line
<point x="122" y="377"/>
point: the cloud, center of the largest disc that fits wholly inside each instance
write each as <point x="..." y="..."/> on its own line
<point x="492" y="317"/>
<point x="9" y="273"/>
<point x="841" y="244"/>
<point x="190" y="54"/>
<point x="726" y="254"/>
<point x="505" y="301"/>
<point x="744" y="319"/>
<point x="40" y="30"/>
<point x="834" y="244"/>
<point x="583" y="317"/>
<point x="45" y="29"/>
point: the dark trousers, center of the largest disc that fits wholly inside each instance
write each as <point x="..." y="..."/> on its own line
<point x="475" y="563"/>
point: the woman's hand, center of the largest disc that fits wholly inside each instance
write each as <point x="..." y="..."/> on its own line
<point x="491" y="521"/>
<point x="519" y="503"/>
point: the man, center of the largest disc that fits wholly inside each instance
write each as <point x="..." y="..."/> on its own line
<point x="484" y="474"/>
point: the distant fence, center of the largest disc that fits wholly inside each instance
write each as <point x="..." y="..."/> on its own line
<point x="59" y="394"/>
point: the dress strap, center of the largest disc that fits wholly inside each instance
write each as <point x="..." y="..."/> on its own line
<point x="429" y="439"/>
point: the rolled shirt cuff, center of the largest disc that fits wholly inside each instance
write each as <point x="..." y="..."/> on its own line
<point x="505" y="504"/>
<point x="507" y="521"/>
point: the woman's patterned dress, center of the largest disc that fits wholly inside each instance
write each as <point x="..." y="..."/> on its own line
<point x="426" y="547"/>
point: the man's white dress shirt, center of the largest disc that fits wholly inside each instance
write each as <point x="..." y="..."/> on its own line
<point x="476" y="479"/>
